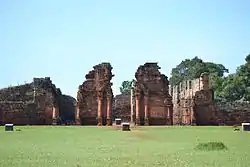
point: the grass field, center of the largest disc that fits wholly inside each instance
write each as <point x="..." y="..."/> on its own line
<point x="72" y="146"/>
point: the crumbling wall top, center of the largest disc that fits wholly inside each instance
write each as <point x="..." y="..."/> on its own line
<point x="148" y="71"/>
<point x="103" y="65"/>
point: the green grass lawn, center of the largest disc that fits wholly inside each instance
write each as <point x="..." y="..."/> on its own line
<point x="72" y="146"/>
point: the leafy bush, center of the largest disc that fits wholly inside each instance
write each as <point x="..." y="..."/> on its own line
<point x="211" y="146"/>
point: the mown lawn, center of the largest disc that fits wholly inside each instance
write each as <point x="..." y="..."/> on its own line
<point x="72" y="146"/>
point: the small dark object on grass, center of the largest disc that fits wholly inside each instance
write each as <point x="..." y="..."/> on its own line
<point x="211" y="146"/>
<point x="19" y="130"/>
<point x="236" y="128"/>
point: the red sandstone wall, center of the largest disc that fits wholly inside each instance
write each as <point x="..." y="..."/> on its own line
<point x="157" y="109"/>
<point x="17" y="93"/>
<point x="205" y="115"/>
<point x="21" y="106"/>
<point x="204" y="110"/>
<point x="154" y="86"/>
<point x="122" y="107"/>
<point x="97" y="85"/>
<point x="232" y="113"/>
<point x="87" y="102"/>
<point x="25" y="114"/>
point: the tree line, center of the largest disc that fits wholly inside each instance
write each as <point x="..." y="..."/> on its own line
<point x="233" y="87"/>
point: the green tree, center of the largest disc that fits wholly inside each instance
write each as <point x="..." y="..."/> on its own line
<point x="235" y="86"/>
<point x="126" y="86"/>
<point x="230" y="89"/>
<point x="192" y="68"/>
<point x="242" y="79"/>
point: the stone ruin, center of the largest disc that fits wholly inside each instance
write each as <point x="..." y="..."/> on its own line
<point x="30" y="104"/>
<point x="95" y="97"/>
<point x="189" y="103"/>
<point x="193" y="102"/>
<point x="122" y="107"/>
<point x="36" y="103"/>
<point x="150" y="100"/>
<point x="153" y="103"/>
<point x="232" y="113"/>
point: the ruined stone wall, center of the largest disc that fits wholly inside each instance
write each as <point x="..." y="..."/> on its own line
<point x="122" y="107"/>
<point x="31" y="103"/>
<point x="95" y="97"/>
<point x="193" y="102"/>
<point x="67" y="108"/>
<point x="232" y="113"/>
<point x="204" y="112"/>
<point x="187" y="89"/>
<point x="152" y="99"/>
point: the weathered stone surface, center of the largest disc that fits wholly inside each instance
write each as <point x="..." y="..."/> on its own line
<point x="232" y="113"/>
<point x="194" y="105"/>
<point x="153" y="103"/>
<point x="95" y="97"/>
<point x="67" y="108"/>
<point x="122" y="107"/>
<point x="190" y="103"/>
<point x="32" y="103"/>
<point x="193" y="102"/>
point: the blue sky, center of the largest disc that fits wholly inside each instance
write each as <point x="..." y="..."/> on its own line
<point x="64" y="39"/>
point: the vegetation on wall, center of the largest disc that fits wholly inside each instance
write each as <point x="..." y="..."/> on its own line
<point x="235" y="86"/>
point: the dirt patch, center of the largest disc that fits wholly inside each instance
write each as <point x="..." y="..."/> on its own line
<point x="143" y="135"/>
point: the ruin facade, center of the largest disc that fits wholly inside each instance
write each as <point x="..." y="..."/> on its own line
<point x="34" y="103"/>
<point x="150" y="102"/>
<point x="122" y="107"/>
<point x="193" y="102"/>
<point x="153" y="103"/>
<point x="95" y="97"/>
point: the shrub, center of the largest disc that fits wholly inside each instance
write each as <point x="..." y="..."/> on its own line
<point x="211" y="146"/>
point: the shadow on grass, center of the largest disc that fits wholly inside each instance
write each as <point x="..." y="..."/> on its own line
<point x="211" y="146"/>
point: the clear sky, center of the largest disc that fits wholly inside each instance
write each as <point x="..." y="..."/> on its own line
<point x="64" y="39"/>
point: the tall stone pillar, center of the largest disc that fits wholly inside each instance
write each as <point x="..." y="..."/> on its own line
<point x="77" y="115"/>
<point x="146" y="108"/>
<point x="54" y="115"/>
<point x="204" y="81"/>
<point x="169" y="114"/>
<point x="184" y="117"/>
<point x="99" y="110"/>
<point x="109" y="106"/>
<point x="132" y="106"/>
<point x="193" y="120"/>
<point x="171" y="111"/>
<point x="137" y="109"/>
